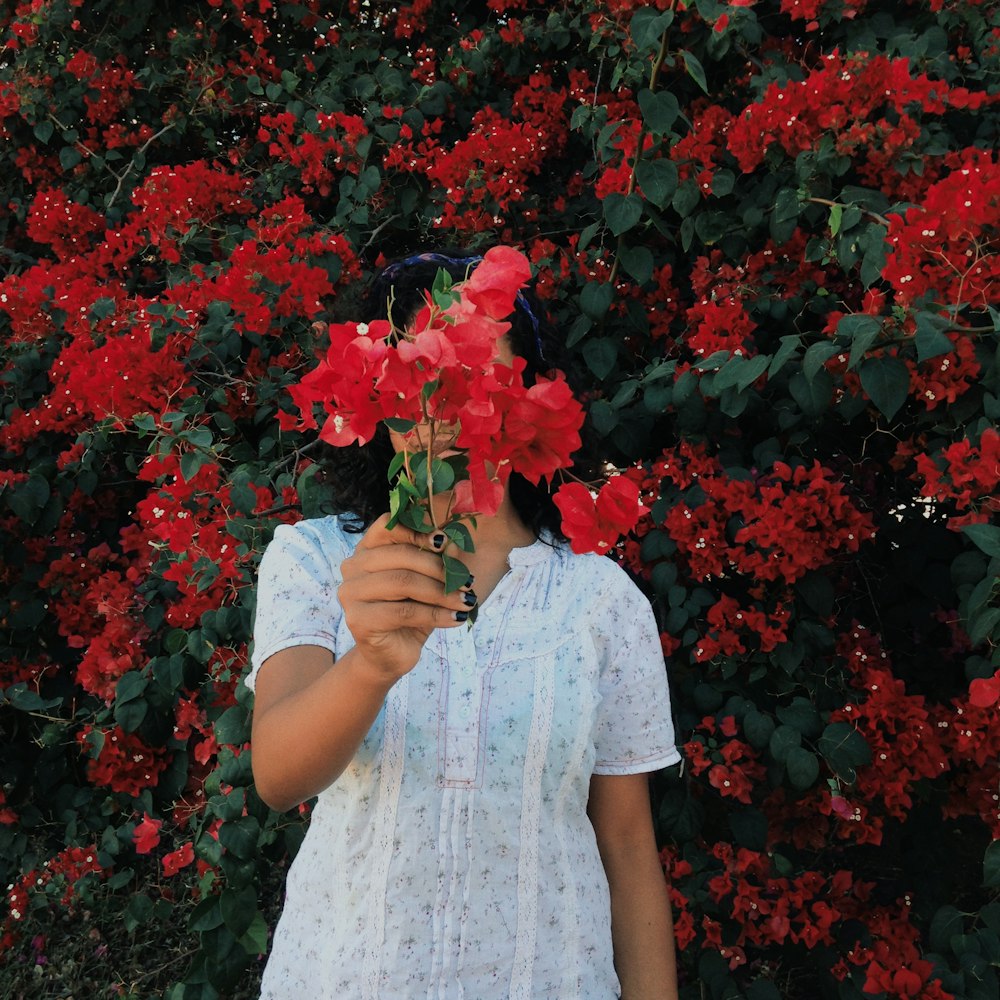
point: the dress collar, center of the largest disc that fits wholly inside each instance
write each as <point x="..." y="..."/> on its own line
<point x="537" y="551"/>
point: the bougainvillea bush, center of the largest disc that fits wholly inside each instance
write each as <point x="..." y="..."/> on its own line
<point x="771" y="230"/>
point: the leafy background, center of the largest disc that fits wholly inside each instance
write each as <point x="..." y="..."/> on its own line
<point x="772" y="231"/>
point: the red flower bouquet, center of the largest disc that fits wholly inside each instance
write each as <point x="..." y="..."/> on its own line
<point x="468" y="419"/>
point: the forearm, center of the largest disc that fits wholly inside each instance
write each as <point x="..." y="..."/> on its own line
<point x="641" y="925"/>
<point x="305" y="740"/>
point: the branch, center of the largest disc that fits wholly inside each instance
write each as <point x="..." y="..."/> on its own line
<point x="875" y="215"/>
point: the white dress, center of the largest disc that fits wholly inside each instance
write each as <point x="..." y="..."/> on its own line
<point x="454" y="858"/>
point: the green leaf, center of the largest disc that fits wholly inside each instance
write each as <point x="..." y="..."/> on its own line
<point x="802" y="767"/>
<point x="647" y="27"/>
<point x="861" y="330"/>
<point x="459" y="535"/>
<point x="138" y="912"/>
<point x="886" y="382"/>
<point x="657" y="179"/>
<point x="601" y="354"/>
<point x="622" y="212"/>
<point x="397" y="463"/>
<point x="228" y="960"/>
<point x="638" y="261"/>
<point x="686" y="198"/>
<point x="244" y="498"/>
<point x="659" y="110"/>
<point x="815" y="357"/>
<point x="873" y="263"/>
<point x="991" y="866"/>
<point x="982" y="625"/>
<point x="783" y="740"/>
<point x="456" y="574"/>
<point x="755" y="367"/>
<point x="130" y="686"/>
<point x="442" y="475"/>
<point x="191" y="462"/>
<point x="786" y="205"/>
<point x="233" y="726"/>
<point x="813" y="396"/>
<point x="984" y="536"/>
<point x="595" y="299"/>
<point x="23" y="698"/>
<point x="836" y="214"/>
<point x="69" y="157"/>
<point x="801" y="714"/>
<point x="695" y="70"/>
<point x="730" y="374"/>
<point x="238" y="908"/>
<point x="758" y="728"/>
<point x="29" y="498"/>
<point x="206" y="915"/>
<point x="945" y="924"/>
<point x="588" y="234"/>
<point x="43" y="131"/>
<point x="790" y="344"/>
<point x="723" y="182"/>
<point x="254" y="941"/>
<point x="844" y="749"/>
<point x="240" y="837"/>
<point x="930" y="337"/>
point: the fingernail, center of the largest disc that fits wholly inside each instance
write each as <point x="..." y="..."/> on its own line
<point x="469" y="598"/>
<point x="470" y="581"/>
<point x="438" y="540"/>
<point x="461" y="616"/>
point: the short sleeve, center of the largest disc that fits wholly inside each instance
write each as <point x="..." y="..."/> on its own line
<point x="297" y="590"/>
<point x="634" y="731"/>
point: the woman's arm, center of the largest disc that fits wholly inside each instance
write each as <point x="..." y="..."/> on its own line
<point x="310" y="712"/>
<point x="641" y="923"/>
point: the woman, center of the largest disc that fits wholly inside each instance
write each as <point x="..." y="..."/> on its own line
<point x="482" y="828"/>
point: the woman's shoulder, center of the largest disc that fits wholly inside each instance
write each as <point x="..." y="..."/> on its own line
<point x="329" y="536"/>
<point x="602" y="576"/>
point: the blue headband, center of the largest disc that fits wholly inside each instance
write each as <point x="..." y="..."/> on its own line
<point x="437" y="258"/>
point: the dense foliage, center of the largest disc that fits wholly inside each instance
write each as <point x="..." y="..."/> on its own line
<point x="772" y="231"/>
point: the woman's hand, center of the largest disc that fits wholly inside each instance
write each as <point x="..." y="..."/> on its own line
<point x="393" y="596"/>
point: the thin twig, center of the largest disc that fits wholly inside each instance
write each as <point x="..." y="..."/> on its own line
<point x="376" y="231"/>
<point x="833" y="204"/>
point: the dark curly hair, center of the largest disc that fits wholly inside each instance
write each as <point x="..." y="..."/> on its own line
<point x="356" y="474"/>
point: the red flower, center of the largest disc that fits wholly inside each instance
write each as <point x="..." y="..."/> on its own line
<point x="494" y="284"/>
<point x="176" y="860"/>
<point x="985" y="691"/>
<point x="594" y="524"/>
<point x="146" y="834"/>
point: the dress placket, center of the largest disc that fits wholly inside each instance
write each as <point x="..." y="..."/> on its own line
<point x="467" y="660"/>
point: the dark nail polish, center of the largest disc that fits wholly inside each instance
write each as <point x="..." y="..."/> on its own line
<point x="438" y="540"/>
<point x="470" y="598"/>
<point x="461" y="616"/>
<point x="470" y="581"/>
